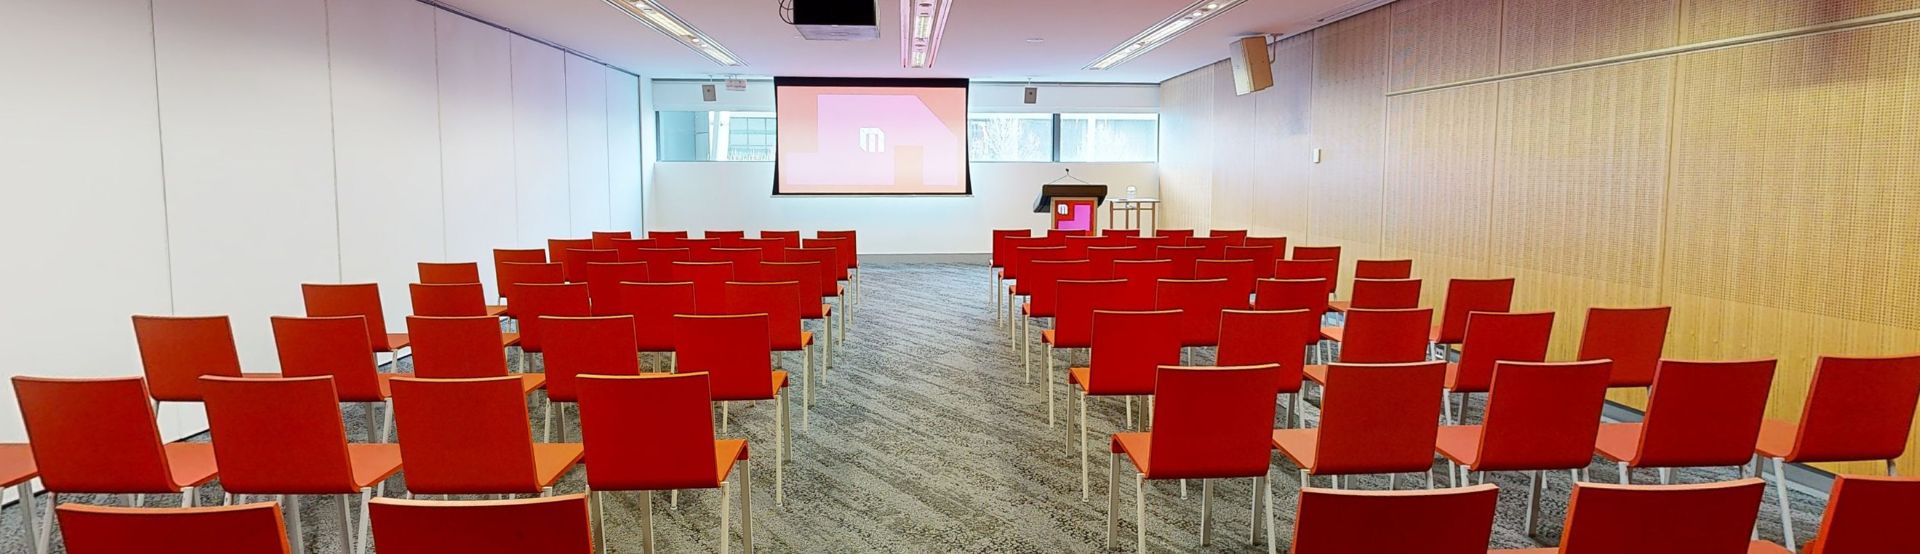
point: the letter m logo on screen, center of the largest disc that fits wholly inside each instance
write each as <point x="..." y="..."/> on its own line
<point x="873" y="140"/>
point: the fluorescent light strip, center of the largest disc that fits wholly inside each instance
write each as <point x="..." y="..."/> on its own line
<point x="922" y="22"/>
<point x="657" y="17"/>
<point x="1163" y="32"/>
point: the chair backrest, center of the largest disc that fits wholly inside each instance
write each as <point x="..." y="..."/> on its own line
<point x="1870" y="515"/>
<point x="449" y="273"/>
<point x="464" y="436"/>
<point x="1128" y="347"/>
<point x="93" y="435"/>
<point x="532" y="301"/>
<point x="1291" y="294"/>
<point x="1858" y="409"/>
<point x="1185" y="258"/>
<point x="556" y="524"/>
<point x="603" y="283"/>
<point x="1383" y="269"/>
<point x="660" y="261"/>
<point x="771" y="249"/>
<point x="1661" y="519"/>
<point x="1175" y="234"/>
<point x="579" y="259"/>
<point x="361" y="299"/>
<point x="1279" y="244"/>
<point x="503" y="256"/>
<point x="1000" y="245"/>
<point x="709" y="283"/>
<point x="1009" y="258"/>
<point x="515" y="273"/>
<point x="746" y="261"/>
<point x="587" y="346"/>
<point x="1121" y="233"/>
<point x="653" y="306"/>
<point x="1465" y="296"/>
<point x="673" y="450"/>
<point x="1633" y="338"/>
<point x="557" y="252"/>
<point x="1262" y="257"/>
<point x="278" y="436"/>
<point x="1494" y="337"/>
<point x="1042" y="278"/>
<point x="1293" y="270"/>
<point x="629" y="249"/>
<point x="1143" y="278"/>
<point x="723" y="234"/>
<point x="1239" y="273"/>
<point x="176" y="350"/>
<point x="790" y="239"/>
<point x="1200" y="303"/>
<point x="666" y="234"/>
<point x="1211" y="248"/>
<point x="807" y="274"/>
<point x="604" y="239"/>
<point x="1386" y="294"/>
<point x="1445" y="521"/>
<point x="1704" y="413"/>
<point x="734" y="349"/>
<point x="779" y="300"/>
<point x="1212" y="422"/>
<point x="1385" y="336"/>
<point x="1542" y="416"/>
<point x="1025" y="256"/>
<point x="447" y="300"/>
<point x="1077" y="245"/>
<point x="1101" y="258"/>
<point x="333" y="347"/>
<point x="1271" y="337"/>
<point x="841" y="246"/>
<point x="1063" y="233"/>
<point x="828" y="260"/>
<point x="1148" y="245"/>
<point x="699" y="250"/>
<point x="1315" y="253"/>
<point x="1379" y="418"/>
<point x="1076" y="301"/>
<point x="1235" y="237"/>
<point x="243" y="529"/>
<point x="852" y="248"/>
<point x="458" y="347"/>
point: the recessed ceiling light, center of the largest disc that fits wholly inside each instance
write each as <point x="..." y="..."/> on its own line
<point x="657" y="17"/>
<point x="922" y="22"/>
<point x="1163" y="32"/>
<point x="1036" y="40"/>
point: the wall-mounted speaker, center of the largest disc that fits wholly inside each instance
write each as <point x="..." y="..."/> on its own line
<point x="1252" y="67"/>
<point x="1033" y="95"/>
<point x="708" y="93"/>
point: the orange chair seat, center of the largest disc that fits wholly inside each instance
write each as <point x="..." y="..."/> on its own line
<point x="1460" y="443"/>
<point x="1340" y="305"/>
<point x="16" y="464"/>
<point x="373" y="463"/>
<point x="1299" y="445"/>
<point x="191" y="462"/>
<point x="1318" y="373"/>
<point x="496" y="310"/>
<point x="1453" y="379"/>
<point x="1776" y="438"/>
<point x="1333" y="333"/>
<point x="806" y="340"/>
<point x="1080" y="377"/>
<point x="1618" y="442"/>
<point x="509" y="339"/>
<point x="1135" y="446"/>
<point x="726" y="452"/>
<point x="1756" y="547"/>
<point x="396" y="341"/>
<point x="530" y="382"/>
<point x="550" y="461"/>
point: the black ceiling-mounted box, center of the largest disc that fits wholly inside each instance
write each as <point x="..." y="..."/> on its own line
<point x="837" y="19"/>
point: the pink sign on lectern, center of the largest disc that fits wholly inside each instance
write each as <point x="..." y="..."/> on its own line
<point x="1073" y="215"/>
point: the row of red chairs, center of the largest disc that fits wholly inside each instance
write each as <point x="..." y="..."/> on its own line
<point x="612" y="246"/>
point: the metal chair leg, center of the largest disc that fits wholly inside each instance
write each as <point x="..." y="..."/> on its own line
<point x="595" y="511"/>
<point x="746" y="505"/>
<point x="1084" y="495"/>
<point x="346" y="522"/>
<point x="295" y="530"/>
<point x="1206" y="512"/>
<point x="1786" y="507"/>
<point x="1534" y="484"/>
<point x="646" y="522"/>
<point x="1113" y="496"/>
<point x="1626" y="474"/>
<point x="726" y="525"/>
<point x="1140" y="512"/>
<point x="25" y="491"/>
<point x="366" y="521"/>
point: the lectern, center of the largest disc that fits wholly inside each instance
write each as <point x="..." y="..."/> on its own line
<point x="1073" y="206"/>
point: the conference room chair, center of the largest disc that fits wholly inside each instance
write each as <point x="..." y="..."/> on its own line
<point x="1292" y="294"/>
<point x="576" y="346"/>
<point x="1200" y="303"/>
<point x="577" y="261"/>
<point x="851" y="252"/>
<point x="653" y="307"/>
<point x="17" y="472"/>
<point x="513" y="273"/>
<point x="1374" y="419"/>
<point x="471" y="436"/>
<point x="1868" y="515"/>
<point x="1383" y="269"/>
<point x="462" y="348"/>
<point x="724" y="234"/>
<point x="736" y="353"/>
<point x="1143" y="278"/>
<point x="1261" y="256"/>
<point x="336" y="347"/>
<point x="531" y="301"/>
<point x="660" y="261"/>
<point x="1122" y="233"/>
<point x="666" y="234"/>
<point x="830" y="289"/>
<point x="448" y="273"/>
<point x="1711" y="518"/>
<point x="603" y="284"/>
<point x="1493" y="338"/>
<point x="503" y="256"/>
<point x="1212" y="424"/>
<point x="1077" y="245"/>
<point x="1101" y="259"/>
<point x="1239" y="273"/>
<point x="1128" y="347"/>
<point x="1326" y="253"/>
<point x="1249" y="338"/>
<point x="709" y="282"/>
<point x="1062" y="233"/>
<point x="1700" y="414"/>
<point x="1541" y="417"/>
<point x="1177" y="235"/>
<point x="780" y="302"/>
<point x="812" y="308"/>
<point x="1465" y="296"/>
<point x="1007" y="260"/>
<point x="843" y="266"/>
<point x="999" y="258"/>
<point x="175" y="351"/>
<point x="1279" y="244"/>
<point x="1380" y="294"/>
<point x="1043" y="279"/>
<point x="1212" y="248"/>
<point x="1235" y="237"/>
<point x="245" y="529"/>
<point x="98" y="436"/>
<point x="557" y="253"/>
<point x="603" y="240"/>
<point x="1075" y="302"/>
<point x="1858" y="409"/>
<point x="1444" y="521"/>
<point x="557" y="525"/>
<point x="1634" y="338"/>
<point x="283" y="437"/>
<point x="676" y="448"/>
<point x="451" y="300"/>
<point x="1380" y="337"/>
<point x="1148" y="245"/>
<point x="361" y="299"/>
<point x="1023" y="257"/>
<point x="746" y="262"/>
<point x="791" y="239"/>
<point x="771" y="249"/>
<point x="1185" y="258"/>
<point x="1325" y="270"/>
<point x="628" y="248"/>
<point x="699" y="250"/>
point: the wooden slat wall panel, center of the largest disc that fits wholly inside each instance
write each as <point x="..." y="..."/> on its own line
<point x="1186" y="120"/>
<point x="1716" y="19"/>
<point x="1546" y="33"/>
<point x="1233" y="117"/>
<point x="1283" y="141"/>
<point x="1444" y="41"/>
<point x="1349" y="113"/>
<point x="1439" y="182"/>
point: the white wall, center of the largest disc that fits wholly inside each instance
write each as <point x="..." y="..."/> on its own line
<point x="208" y="156"/>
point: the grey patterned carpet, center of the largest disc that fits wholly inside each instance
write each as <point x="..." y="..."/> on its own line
<point x="924" y="439"/>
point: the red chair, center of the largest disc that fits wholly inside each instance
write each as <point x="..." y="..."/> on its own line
<point x="1211" y="423"/>
<point x="1377" y="418"/>
<point x="771" y="249"/>
<point x="603" y="240"/>
<point x="246" y="529"/>
<point x="1235" y="237"/>
<point x="709" y="283"/>
<point x="512" y="274"/>
<point x="1465" y="296"/>
<point x="737" y="353"/>
<point x="999" y="257"/>
<point x="284" y="437"/>
<point x="1148" y="245"/>
<point x="723" y="235"/>
<point x="559" y="525"/>
<point x="1858" y="409"/>
<point x="1063" y="233"/>
<point x="449" y="273"/>
<point x="1292" y="294"/>
<point x="699" y="250"/>
<point x="791" y="239"/>
<point x="98" y="436"/>
<point x="1540" y="417"/>
<point x="1493" y="338"/>
<point x="1447" y="521"/>
<point x="1279" y="244"/>
<point x="675" y="449"/>
<point x="1381" y="294"/>
<point x="557" y="253"/>
<point x="667" y="234"/>
<point x="175" y="351"/>
<point x="660" y="261"/>
<point x="1185" y="258"/>
<point x="503" y="256"/>
<point x="1143" y="278"/>
<point x="1322" y="253"/>
<point x="577" y="261"/>
<point x="780" y="301"/>
<point x="1175" y="234"/>
<point x="470" y="436"/>
<point x="1023" y="257"/>
<point x="1676" y="519"/>
<point x="1293" y="270"/>
<point x="1128" y="347"/>
<point x="852" y="254"/>
<point x="1077" y="245"/>
<point x="1238" y="273"/>
<point x="1261" y="256"/>
<point x="746" y="262"/>
<point x="462" y="348"/>
<point x="1379" y="337"/>
<point x="1383" y="269"/>
<point x="336" y="347"/>
<point x="1633" y="338"/>
<point x="361" y="299"/>
<point x="653" y="306"/>
<point x="603" y="284"/>
<point x="830" y="289"/>
<point x="17" y="471"/>
<point x="629" y="249"/>
<point x="1249" y="338"/>
<point x="1102" y="258"/>
<point x="812" y="308"/>
<point x="532" y="301"/>
<point x="451" y="300"/>
<point x="1700" y="414"/>
<point x="1009" y="260"/>
<point x="1211" y="248"/>
<point x="579" y="346"/>
<point x="1042" y="280"/>
<point x="1867" y="515"/>
<point x="1121" y="233"/>
<point x="1076" y="300"/>
<point x="1200" y="303"/>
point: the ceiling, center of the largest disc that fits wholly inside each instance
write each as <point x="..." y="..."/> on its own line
<point x="984" y="40"/>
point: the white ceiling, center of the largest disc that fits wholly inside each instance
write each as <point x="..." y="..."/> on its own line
<point x="984" y="39"/>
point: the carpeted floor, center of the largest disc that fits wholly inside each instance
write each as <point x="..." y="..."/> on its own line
<point x="925" y="439"/>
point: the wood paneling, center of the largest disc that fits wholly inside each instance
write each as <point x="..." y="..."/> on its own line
<point x="1186" y="187"/>
<point x="1715" y="19"/>
<point x="1283" y="142"/>
<point x="1444" y="41"/>
<point x="1439" y="182"/>
<point x="1546" y="33"/>
<point x="1349" y="112"/>
<point x="1233" y="175"/>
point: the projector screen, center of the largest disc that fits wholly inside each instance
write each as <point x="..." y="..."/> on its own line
<point x="871" y="136"/>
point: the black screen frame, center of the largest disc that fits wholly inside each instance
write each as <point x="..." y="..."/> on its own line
<point x="873" y="82"/>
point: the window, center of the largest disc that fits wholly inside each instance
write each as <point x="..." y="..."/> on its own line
<point x="1010" y="137"/>
<point x="1068" y="137"/>
<point x="715" y="136"/>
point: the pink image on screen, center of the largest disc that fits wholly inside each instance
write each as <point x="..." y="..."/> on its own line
<point x="854" y="140"/>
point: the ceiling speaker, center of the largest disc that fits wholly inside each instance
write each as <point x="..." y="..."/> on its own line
<point x="708" y="93"/>
<point x="1252" y="67"/>
<point x="1033" y="95"/>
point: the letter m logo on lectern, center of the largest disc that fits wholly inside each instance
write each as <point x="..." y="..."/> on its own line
<point x="873" y="140"/>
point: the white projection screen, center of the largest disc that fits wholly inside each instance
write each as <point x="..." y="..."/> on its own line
<point x="871" y="136"/>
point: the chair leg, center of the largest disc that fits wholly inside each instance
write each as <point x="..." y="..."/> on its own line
<point x="1140" y="512"/>
<point x="386" y="428"/>
<point x="806" y="399"/>
<point x="780" y="463"/>
<point x="346" y="523"/>
<point x="1113" y="495"/>
<point x="595" y="510"/>
<point x="1626" y="474"/>
<point x="746" y="505"/>
<point x="1206" y="512"/>
<point x="366" y="523"/>
<point x="726" y="523"/>
<point x="725" y="417"/>
<point x="1268" y="498"/>
<point x="46" y="524"/>
<point x="1786" y="506"/>
<point x="546" y="428"/>
<point x="1050" y="393"/>
<point x="1253" y="521"/>
<point x="1666" y="476"/>
<point x="1892" y="470"/>
<point x="295" y="530"/>
<point x="25" y="491"/>
<point x="372" y="421"/>
<point x="188" y="497"/>
<point x="1084" y="495"/>
<point x="1534" y="483"/>
<point x="1026" y="343"/>
<point x="1446" y="406"/>
<point x="646" y="522"/>
<point x="1393" y="481"/>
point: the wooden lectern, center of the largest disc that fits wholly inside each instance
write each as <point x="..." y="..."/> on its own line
<point x="1074" y="207"/>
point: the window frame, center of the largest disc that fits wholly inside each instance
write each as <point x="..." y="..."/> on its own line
<point x="1055" y="148"/>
